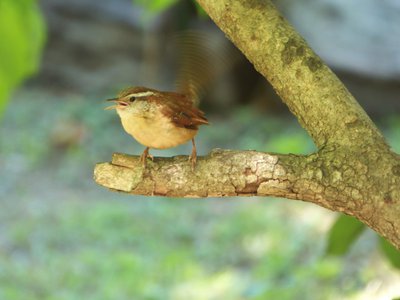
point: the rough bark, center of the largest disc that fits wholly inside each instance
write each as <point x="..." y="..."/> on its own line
<point x="354" y="171"/>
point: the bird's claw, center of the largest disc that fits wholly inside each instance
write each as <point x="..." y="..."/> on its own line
<point x="144" y="156"/>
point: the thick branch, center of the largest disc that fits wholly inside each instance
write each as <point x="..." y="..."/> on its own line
<point x="322" y="104"/>
<point x="221" y="173"/>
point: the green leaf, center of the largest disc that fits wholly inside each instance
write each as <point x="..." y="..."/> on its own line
<point x="22" y="37"/>
<point x="291" y="142"/>
<point x="200" y="11"/>
<point x="342" y="234"/>
<point x="391" y="253"/>
<point x="155" y="6"/>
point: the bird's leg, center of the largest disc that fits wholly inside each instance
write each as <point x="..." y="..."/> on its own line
<point x="144" y="156"/>
<point x="193" y="156"/>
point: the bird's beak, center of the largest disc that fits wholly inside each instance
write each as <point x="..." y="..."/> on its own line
<point x="118" y="103"/>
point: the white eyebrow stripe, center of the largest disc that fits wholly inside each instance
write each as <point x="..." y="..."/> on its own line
<point x="142" y="94"/>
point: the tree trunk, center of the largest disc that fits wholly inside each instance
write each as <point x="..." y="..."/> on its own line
<point x="354" y="170"/>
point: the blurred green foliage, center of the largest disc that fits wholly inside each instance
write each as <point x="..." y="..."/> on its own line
<point x="158" y="6"/>
<point x="155" y="6"/>
<point x="22" y="34"/>
<point x="342" y="234"/>
<point x="158" y="249"/>
<point x="393" y="134"/>
<point x="391" y="253"/>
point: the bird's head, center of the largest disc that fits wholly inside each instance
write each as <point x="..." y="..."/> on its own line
<point x="127" y="100"/>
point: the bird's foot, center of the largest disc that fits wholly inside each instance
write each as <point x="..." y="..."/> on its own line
<point x="145" y="155"/>
<point x="193" y="156"/>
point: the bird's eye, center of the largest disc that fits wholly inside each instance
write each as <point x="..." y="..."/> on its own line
<point x="132" y="98"/>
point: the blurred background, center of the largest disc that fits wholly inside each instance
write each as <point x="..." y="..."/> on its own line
<point x="64" y="237"/>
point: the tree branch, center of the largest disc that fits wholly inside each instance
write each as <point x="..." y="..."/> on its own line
<point x="357" y="165"/>
<point x="310" y="89"/>
<point x="221" y="173"/>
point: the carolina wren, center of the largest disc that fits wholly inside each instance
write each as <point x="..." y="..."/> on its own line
<point x="158" y="120"/>
<point x="162" y="120"/>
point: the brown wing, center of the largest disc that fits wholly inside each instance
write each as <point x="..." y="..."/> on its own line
<point x="180" y="109"/>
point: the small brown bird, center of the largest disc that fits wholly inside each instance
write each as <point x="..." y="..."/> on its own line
<point x="159" y="120"/>
<point x="162" y="120"/>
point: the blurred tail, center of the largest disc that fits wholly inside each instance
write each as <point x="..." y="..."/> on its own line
<point x="202" y="58"/>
